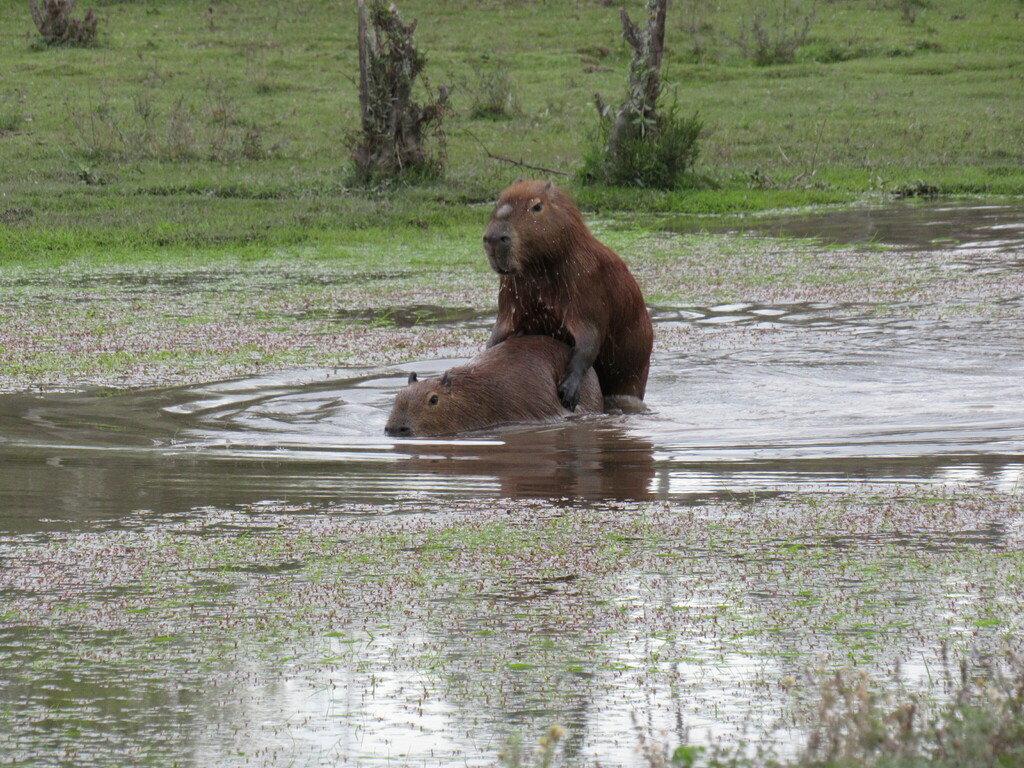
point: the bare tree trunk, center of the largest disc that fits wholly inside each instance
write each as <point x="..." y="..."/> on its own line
<point x="364" y="88"/>
<point x="638" y="113"/>
<point x="394" y="127"/>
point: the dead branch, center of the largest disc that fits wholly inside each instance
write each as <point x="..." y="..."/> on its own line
<point x="518" y="163"/>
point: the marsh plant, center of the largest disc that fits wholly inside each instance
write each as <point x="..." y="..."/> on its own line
<point x="976" y="720"/>
<point x="58" y="26"/>
<point x="543" y="755"/>
<point x="979" y="724"/>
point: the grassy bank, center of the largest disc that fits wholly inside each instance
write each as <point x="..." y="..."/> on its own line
<point x="221" y="128"/>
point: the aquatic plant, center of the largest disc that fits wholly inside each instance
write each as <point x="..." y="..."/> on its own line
<point x="977" y="723"/>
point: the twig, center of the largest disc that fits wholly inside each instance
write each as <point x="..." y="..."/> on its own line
<point x="817" y="143"/>
<point x="520" y="163"/>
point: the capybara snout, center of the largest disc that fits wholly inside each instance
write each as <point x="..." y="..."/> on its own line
<point x="515" y="381"/>
<point x="498" y="244"/>
<point x="419" y="407"/>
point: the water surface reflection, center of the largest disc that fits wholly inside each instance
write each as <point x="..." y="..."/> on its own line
<point x="969" y="228"/>
<point x="811" y="397"/>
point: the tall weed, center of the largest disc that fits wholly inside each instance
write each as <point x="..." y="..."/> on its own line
<point x="178" y="132"/>
<point x="494" y="95"/>
<point x="774" y="32"/>
<point x="694" y="22"/>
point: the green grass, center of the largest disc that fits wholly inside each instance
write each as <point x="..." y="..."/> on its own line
<point x="198" y="127"/>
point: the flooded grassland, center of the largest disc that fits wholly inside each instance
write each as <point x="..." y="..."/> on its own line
<point x="218" y="558"/>
<point x="433" y="295"/>
<point x="425" y="632"/>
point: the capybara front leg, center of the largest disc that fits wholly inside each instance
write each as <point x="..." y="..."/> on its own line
<point x="584" y="352"/>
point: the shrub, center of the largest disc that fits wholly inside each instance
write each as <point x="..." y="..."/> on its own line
<point x="395" y="129"/>
<point x="57" y="26"/>
<point x="641" y="144"/>
<point x="661" y="157"/>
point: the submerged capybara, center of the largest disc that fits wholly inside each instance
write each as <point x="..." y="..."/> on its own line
<point x="558" y="280"/>
<point x="515" y="381"/>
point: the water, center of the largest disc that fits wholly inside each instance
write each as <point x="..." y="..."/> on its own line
<point x="974" y="231"/>
<point x="816" y="397"/>
<point x="250" y="573"/>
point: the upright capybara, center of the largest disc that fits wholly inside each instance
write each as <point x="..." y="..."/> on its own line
<point x="558" y="280"/>
<point x="514" y="381"/>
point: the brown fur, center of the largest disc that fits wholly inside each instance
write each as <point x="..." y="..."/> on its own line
<point x="558" y="280"/>
<point x="511" y="382"/>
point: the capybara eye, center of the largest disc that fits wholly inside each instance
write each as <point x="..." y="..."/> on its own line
<point x="537" y="208"/>
<point x="432" y="400"/>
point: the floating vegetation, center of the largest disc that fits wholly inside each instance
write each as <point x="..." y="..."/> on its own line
<point x="344" y="625"/>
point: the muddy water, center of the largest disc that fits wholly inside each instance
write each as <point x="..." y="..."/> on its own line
<point x="971" y="230"/>
<point x="119" y="647"/>
<point x="815" y="397"/>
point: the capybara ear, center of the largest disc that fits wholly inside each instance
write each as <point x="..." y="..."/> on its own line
<point x="519" y="180"/>
<point x="412" y="378"/>
<point x="446" y="381"/>
<point x="549" y="185"/>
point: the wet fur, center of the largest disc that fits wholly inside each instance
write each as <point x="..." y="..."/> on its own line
<point x="558" y="280"/>
<point x="515" y="381"/>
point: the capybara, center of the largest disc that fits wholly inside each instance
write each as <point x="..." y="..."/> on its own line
<point x="558" y="280"/>
<point x="514" y="381"/>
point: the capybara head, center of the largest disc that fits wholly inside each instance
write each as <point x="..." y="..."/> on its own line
<point x="532" y="220"/>
<point x="423" y="408"/>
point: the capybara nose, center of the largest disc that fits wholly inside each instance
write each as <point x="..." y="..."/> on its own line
<point x="496" y="234"/>
<point x="492" y="239"/>
<point x="402" y="431"/>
